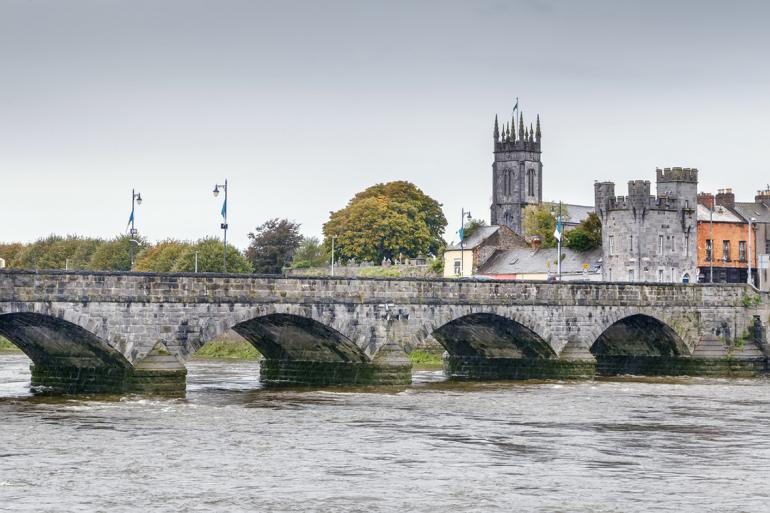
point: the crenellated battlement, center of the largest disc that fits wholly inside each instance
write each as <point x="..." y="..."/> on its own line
<point x="677" y="174"/>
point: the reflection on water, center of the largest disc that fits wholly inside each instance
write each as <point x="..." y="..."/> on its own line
<point x="607" y="445"/>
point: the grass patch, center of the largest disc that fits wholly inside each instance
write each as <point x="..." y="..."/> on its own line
<point x="426" y="359"/>
<point x="232" y="349"/>
<point x="6" y="345"/>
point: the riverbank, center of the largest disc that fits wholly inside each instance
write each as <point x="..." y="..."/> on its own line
<point x="6" y="345"/>
<point x="231" y="349"/>
<point x="227" y="349"/>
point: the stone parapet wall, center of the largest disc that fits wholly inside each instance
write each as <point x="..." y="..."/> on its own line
<point x="124" y="288"/>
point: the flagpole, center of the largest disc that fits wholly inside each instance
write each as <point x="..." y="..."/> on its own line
<point x="224" y="253"/>
<point x="224" y="224"/>
<point x="558" y="255"/>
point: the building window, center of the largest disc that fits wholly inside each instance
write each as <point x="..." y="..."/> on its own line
<point x="673" y="275"/>
<point x="687" y="244"/>
<point x="631" y="244"/>
<point x="531" y="182"/>
<point x="611" y="244"/>
<point x="767" y="247"/>
<point x="458" y="266"/>
<point x="742" y="251"/>
<point x="673" y="244"/>
<point x="630" y="275"/>
<point x="660" y="275"/>
<point x="709" y="250"/>
<point x="726" y="250"/>
<point x="660" y="244"/>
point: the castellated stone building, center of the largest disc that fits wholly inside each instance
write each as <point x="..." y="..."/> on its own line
<point x="517" y="173"/>
<point x="649" y="238"/>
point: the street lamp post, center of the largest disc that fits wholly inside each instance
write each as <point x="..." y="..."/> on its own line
<point x="748" y="279"/>
<point x="136" y="199"/>
<point x="334" y="237"/>
<point x="711" y="244"/>
<point x="224" y="223"/>
<point x="558" y="235"/>
<point x="463" y="215"/>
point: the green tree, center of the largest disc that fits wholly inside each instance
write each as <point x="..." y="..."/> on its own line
<point x="310" y="253"/>
<point x="9" y="252"/>
<point x="587" y="235"/>
<point x="472" y="226"/>
<point x="540" y="221"/>
<point x="273" y="245"/>
<point x="209" y="251"/>
<point x="115" y="255"/>
<point x="387" y="221"/>
<point x="81" y="257"/>
<point x="56" y="252"/>
<point x="161" y="257"/>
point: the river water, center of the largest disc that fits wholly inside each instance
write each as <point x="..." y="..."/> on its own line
<point x="621" y="445"/>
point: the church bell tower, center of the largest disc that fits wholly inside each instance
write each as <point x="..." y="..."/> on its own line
<point x="517" y="173"/>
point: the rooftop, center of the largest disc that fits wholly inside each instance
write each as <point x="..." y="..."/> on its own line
<point x="721" y="215"/>
<point x="481" y="234"/>
<point x="758" y="210"/>
<point x="530" y="261"/>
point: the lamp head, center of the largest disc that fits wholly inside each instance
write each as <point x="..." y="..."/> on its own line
<point x="216" y="191"/>
<point x="139" y="199"/>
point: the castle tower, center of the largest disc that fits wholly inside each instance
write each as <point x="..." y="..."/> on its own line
<point x="517" y="173"/>
<point x="648" y="238"/>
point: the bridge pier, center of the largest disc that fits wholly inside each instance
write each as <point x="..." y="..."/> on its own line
<point x="78" y="380"/>
<point x="479" y="367"/>
<point x="390" y="366"/>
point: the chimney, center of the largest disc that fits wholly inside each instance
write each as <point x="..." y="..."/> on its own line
<point x="706" y="199"/>
<point x="763" y="196"/>
<point x="536" y="243"/>
<point x="725" y="198"/>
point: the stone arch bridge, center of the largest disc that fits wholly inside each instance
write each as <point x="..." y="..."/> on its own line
<point x="98" y="332"/>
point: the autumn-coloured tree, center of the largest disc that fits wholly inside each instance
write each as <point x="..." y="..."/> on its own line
<point x="387" y="221"/>
<point x="161" y="257"/>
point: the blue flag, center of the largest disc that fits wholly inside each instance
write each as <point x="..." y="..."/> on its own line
<point x="461" y="231"/>
<point x="130" y="219"/>
<point x="224" y="209"/>
<point x="557" y="232"/>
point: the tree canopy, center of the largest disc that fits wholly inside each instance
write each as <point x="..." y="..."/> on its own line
<point x="310" y="253"/>
<point x="540" y="221"/>
<point x="387" y="221"/>
<point x="161" y="257"/>
<point x="473" y="225"/>
<point x="587" y="235"/>
<point x="115" y="254"/>
<point x="210" y="258"/>
<point x="273" y="245"/>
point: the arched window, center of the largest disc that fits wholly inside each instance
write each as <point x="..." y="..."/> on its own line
<point x="531" y="182"/>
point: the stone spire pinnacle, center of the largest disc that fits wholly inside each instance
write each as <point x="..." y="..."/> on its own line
<point x="513" y="128"/>
<point x="531" y="133"/>
<point x="496" y="131"/>
<point x="537" y="129"/>
<point x="521" y="126"/>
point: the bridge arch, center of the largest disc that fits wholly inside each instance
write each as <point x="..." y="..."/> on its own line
<point x="282" y="336"/>
<point x="66" y="357"/>
<point x="639" y="344"/>
<point x="491" y="335"/>
<point x="639" y="334"/>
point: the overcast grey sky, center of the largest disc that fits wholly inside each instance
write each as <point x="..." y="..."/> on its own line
<point x="301" y="104"/>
